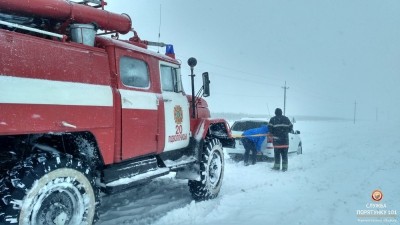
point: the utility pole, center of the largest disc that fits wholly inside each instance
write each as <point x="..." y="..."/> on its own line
<point x="284" y="99"/>
<point x="355" y="109"/>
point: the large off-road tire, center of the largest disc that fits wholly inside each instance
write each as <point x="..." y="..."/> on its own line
<point x="211" y="172"/>
<point x="49" y="190"/>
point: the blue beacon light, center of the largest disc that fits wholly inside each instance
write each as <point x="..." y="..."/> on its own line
<point x="169" y="51"/>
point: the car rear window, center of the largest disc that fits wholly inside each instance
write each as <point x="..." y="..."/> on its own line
<point x="245" y="125"/>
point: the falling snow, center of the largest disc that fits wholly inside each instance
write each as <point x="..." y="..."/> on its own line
<point x="341" y="166"/>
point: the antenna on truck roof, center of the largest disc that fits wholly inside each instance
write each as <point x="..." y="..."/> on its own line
<point x="159" y="31"/>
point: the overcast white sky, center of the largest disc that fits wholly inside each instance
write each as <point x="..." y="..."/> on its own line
<point x="331" y="53"/>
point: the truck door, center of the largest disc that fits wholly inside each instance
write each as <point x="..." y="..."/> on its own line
<point x="176" y="105"/>
<point x="139" y="106"/>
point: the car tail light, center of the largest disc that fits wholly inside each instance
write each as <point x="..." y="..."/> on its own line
<point x="270" y="144"/>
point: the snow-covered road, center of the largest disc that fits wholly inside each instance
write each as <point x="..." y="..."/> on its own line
<point x="341" y="166"/>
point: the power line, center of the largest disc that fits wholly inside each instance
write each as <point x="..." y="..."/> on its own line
<point x="233" y="69"/>
<point x="268" y="83"/>
<point x="244" y="95"/>
<point x="313" y="94"/>
<point x="246" y="80"/>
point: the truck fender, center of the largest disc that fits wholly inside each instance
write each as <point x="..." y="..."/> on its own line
<point x="214" y="128"/>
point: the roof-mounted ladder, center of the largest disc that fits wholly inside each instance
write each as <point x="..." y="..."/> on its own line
<point x="22" y="27"/>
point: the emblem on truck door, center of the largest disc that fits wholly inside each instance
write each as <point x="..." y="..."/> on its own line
<point x="178" y="115"/>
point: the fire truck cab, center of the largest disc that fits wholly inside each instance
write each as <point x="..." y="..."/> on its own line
<point x="82" y="113"/>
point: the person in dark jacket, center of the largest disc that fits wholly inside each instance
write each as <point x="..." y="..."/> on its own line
<point x="279" y="127"/>
<point x="252" y="141"/>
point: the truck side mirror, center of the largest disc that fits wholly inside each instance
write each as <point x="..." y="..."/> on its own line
<point x="206" y="84"/>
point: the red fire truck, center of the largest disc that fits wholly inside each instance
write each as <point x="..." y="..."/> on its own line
<point x="84" y="112"/>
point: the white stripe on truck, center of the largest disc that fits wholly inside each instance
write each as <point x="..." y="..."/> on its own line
<point x="18" y="90"/>
<point x="138" y="100"/>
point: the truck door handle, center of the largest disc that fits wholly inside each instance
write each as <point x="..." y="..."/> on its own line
<point x="167" y="100"/>
<point x="125" y="100"/>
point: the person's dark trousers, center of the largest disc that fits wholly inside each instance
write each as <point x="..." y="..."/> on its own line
<point x="249" y="146"/>
<point x="278" y="153"/>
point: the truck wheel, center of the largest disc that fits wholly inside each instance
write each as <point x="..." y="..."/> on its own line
<point x="211" y="172"/>
<point x="45" y="190"/>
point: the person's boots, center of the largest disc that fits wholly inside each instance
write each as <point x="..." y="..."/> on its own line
<point x="276" y="167"/>
<point x="246" y="159"/>
<point x="254" y="158"/>
<point x="284" y="167"/>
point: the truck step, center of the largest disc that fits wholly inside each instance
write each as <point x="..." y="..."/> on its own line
<point x="134" y="180"/>
<point x="131" y="173"/>
<point x="127" y="168"/>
